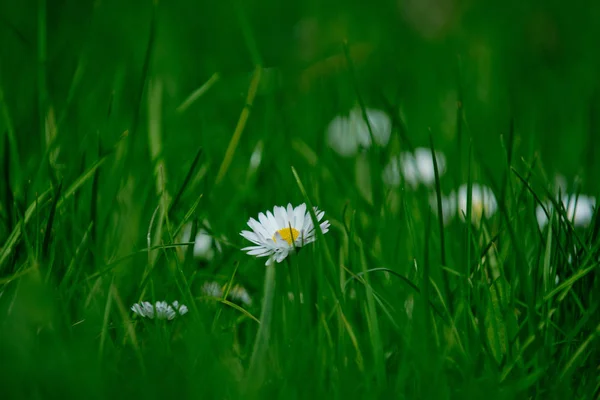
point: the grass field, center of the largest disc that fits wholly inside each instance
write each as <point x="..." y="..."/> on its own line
<point x="130" y="131"/>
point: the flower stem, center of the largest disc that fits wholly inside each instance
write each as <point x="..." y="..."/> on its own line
<point x="256" y="370"/>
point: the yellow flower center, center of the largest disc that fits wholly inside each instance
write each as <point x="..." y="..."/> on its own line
<point x="477" y="209"/>
<point x="288" y="234"/>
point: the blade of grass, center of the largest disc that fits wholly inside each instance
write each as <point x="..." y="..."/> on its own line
<point x="8" y="190"/>
<point x="76" y="258"/>
<point x="49" y="224"/>
<point x="15" y="169"/>
<point x="13" y="238"/>
<point x="440" y="212"/>
<point x="240" y="309"/>
<point x="574" y="361"/>
<point x="41" y="65"/>
<point x="237" y="134"/>
<point x="186" y="181"/>
<point x="196" y="94"/>
<point x="332" y="273"/>
<point x="256" y="370"/>
<point x="373" y="324"/>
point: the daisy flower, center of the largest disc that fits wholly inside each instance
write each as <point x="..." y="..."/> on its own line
<point x="160" y="310"/>
<point x="448" y="206"/>
<point x="278" y="233"/>
<point x="416" y="168"/>
<point x="483" y="202"/>
<point x="580" y="210"/>
<point x="240" y="294"/>
<point x="212" y="289"/>
<point x="346" y="134"/>
<point x="237" y="293"/>
<point x="204" y="244"/>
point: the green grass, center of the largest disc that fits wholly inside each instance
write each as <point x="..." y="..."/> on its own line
<point x="120" y="124"/>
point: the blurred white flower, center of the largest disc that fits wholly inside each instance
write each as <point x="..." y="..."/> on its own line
<point x="240" y="294"/>
<point x="345" y="134"/>
<point x="416" y="168"/>
<point x="580" y="210"/>
<point x="212" y="289"/>
<point x="255" y="158"/>
<point x="483" y="202"/>
<point x="160" y="310"/>
<point x="204" y="244"/>
<point x="237" y="293"/>
<point x="448" y="206"/>
<point x="280" y="232"/>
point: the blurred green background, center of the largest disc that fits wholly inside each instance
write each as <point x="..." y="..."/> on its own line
<point x="105" y="80"/>
<point x="534" y="62"/>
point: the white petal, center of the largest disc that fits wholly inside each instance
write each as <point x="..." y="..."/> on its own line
<point x="325" y="226"/>
<point x="481" y="196"/>
<point x="138" y="310"/>
<point x="281" y="256"/>
<point x="274" y="225"/>
<point x="182" y="309"/>
<point x="581" y="210"/>
<point x="259" y="251"/>
<point x="280" y="216"/>
<point x="251" y="236"/>
<point x="540" y="215"/>
<point x="258" y="227"/>
<point x="381" y="125"/>
<point x="319" y="214"/>
<point x="203" y="246"/>
<point x="299" y="213"/>
<point x="341" y="137"/>
<point x="267" y="224"/>
<point x="379" y="122"/>
<point x="290" y="214"/>
<point x="448" y="206"/>
<point x="391" y="173"/>
<point x="410" y="171"/>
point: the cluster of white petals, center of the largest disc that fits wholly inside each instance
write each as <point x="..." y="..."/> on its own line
<point x="276" y="234"/>
<point x="483" y="203"/>
<point x="579" y="210"/>
<point x="204" y="244"/>
<point x="237" y="293"/>
<point x="159" y="310"/>
<point x="416" y="168"/>
<point x="346" y="134"/>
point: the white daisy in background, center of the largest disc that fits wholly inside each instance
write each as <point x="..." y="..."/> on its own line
<point x="416" y="168"/>
<point x="345" y="134"/>
<point x="255" y="158"/>
<point x="240" y="294"/>
<point x="212" y="289"/>
<point x="580" y="210"/>
<point x="160" y="310"/>
<point x="278" y="233"/>
<point x="448" y="206"/>
<point x="237" y="293"/>
<point x="483" y="202"/>
<point x="204" y="244"/>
